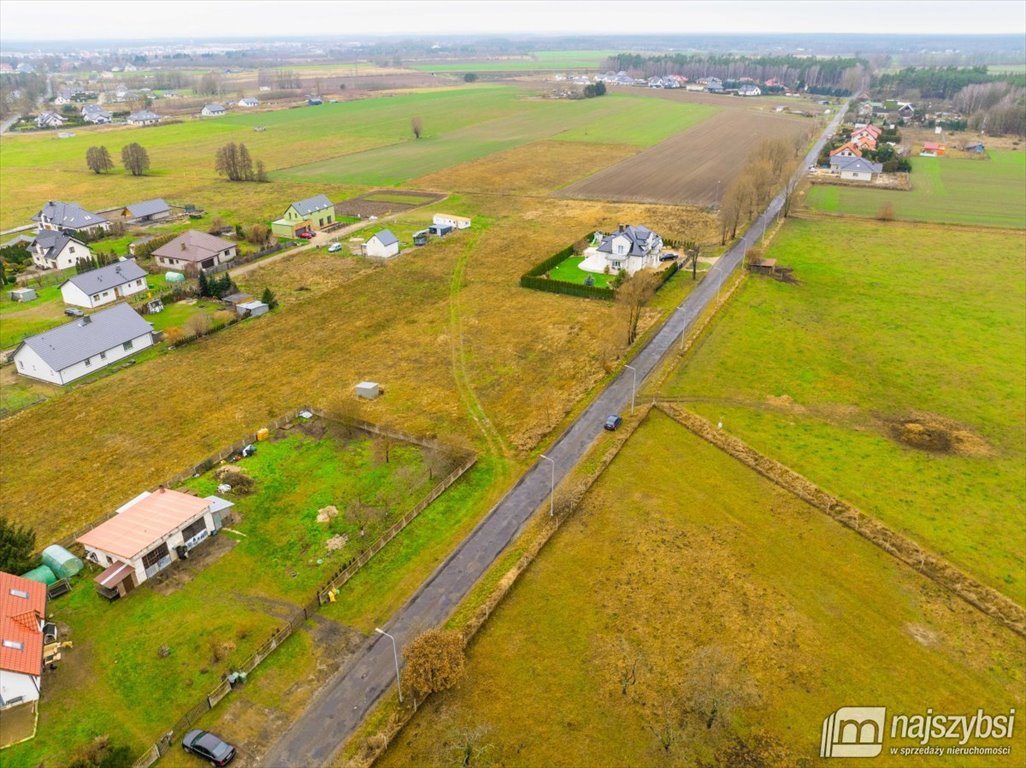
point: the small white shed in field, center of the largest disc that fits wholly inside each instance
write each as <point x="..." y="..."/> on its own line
<point x="252" y="308"/>
<point x="368" y="390"/>
<point x="383" y="245"/>
<point x="23" y="294"/>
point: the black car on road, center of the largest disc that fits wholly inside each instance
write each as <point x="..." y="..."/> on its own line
<point x="208" y="746"/>
<point x="613" y="422"/>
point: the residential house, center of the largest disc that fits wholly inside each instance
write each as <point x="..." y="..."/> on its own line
<point x="855" y="168"/>
<point x="94" y="113"/>
<point x="57" y="250"/>
<point x="212" y="110"/>
<point x="193" y="251"/>
<point x="846" y="150"/>
<point x="49" y="120"/>
<point x="146" y="212"/>
<point x="384" y="245"/>
<point x="749" y="89"/>
<point x="629" y="249"/>
<point x="143" y="117"/>
<point x="101" y="286"/>
<point x="147" y="534"/>
<point x="458" y="222"/>
<point x="249" y="101"/>
<point x="22" y="618"/>
<point x="70" y="216"/>
<point x="906" y="110"/>
<point x="307" y="215"/>
<point x="72" y="350"/>
<point x="62" y="98"/>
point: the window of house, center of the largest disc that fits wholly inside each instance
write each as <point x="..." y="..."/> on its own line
<point x="14" y="645"/>
<point x="71" y="249"/>
<point x="88" y="362"/>
<point x="155" y="555"/>
<point x="20" y="593"/>
<point x="191" y="530"/>
<point x="127" y="345"/>
<point x="103" y="355"/>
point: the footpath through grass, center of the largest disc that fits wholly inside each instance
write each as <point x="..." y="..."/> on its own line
<point x="889" y="324"/>
<point x="944" y="189"/>
<point x="734" y="603"/>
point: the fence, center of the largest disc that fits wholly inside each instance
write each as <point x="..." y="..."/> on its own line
<point x="241" y="259"/>
<point x="154" y="752"/>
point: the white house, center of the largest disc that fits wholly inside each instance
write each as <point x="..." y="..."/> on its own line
<point x="72" y="350"/>
<point x="70" y="216"/>
<point x="212" y="110"/>
<point x="101" y="286"/>
<point x="94" y="113"/>
<point x="249" y="101"/>
<point x="459" y="222"/>
<point x="384" y="245"/>
<point x="22" y="614"/>
<point x="855" y="168"/>
<point x="147" y="534"/>
<point x="749" y="90"/>
<point x="57" y="250"/>
<point x="49" y="120"/>
<point x="143" y="117"/>
<point x="630" y="249"/>
<point x="193" y="251"/>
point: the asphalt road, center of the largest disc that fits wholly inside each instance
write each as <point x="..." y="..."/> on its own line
<point x="343" y="702"/>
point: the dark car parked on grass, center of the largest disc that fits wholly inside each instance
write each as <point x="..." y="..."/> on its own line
<point x="208" y="746"/>
<point x="613" y="422"/>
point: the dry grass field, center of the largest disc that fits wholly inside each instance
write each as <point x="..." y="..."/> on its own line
<point x="693" y="166"/>
<point x="395" y="324"/>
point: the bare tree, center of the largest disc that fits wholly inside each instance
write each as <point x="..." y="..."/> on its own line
<point x="467" y="748"/>
<point x="416" y="126"/>
<point x="198" y="324"/>
<point x="98" y="159"/>
<point x="135" y="159"/>
<point x="632" y="295"/>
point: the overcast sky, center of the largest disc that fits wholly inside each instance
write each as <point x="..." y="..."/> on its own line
<point x="26" y="20"/>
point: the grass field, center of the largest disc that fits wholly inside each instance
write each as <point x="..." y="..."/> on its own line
<point x="1009" y="69"/>
<point x="551" y="60"/>
<point x="976" y="192"/>
<point x="571" y="272"/>
<point x="737" y="602"/>
<point x="891" y="322"/>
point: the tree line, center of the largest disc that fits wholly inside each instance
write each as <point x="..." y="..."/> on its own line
<point x="939" y="82"/>
<point x="133" y="156"/>
<point x="996" y="107"/>
<point x="234" y="161"/>
<point x="794" y="70"/>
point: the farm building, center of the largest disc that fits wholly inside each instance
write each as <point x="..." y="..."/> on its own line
<point x="22" y="618"/>
<point x="855" y="168"/>
<point x="252" y="309"/>
<point x="57" y="250"/>
<point x="307" y="215"/>
<point x="143" y="117"/>
<point x="23" y="294"/>
<point x="193" y="251"/>
<point x="440" y="230"/>
<point x="630" y="249"/>
<point x="145" y="212"/>
<point x="233" y="300"/>
<point x="70" y="216"/>
<point x="212" y="110"/>
<point x="146" y="535"/>
<point x="384" y="245"/>
<point x="72" y="350"/>
<point x="932" y="149"/>
<point x="101" y="286"/>
<point x="458" y="222"/>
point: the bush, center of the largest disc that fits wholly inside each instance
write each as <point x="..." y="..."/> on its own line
<point x="886" y="212"/>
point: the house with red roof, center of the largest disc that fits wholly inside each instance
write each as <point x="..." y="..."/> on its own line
<point x="847" y="150"/>
<point x="932" y="149"/>
<point x="22" y="617"/>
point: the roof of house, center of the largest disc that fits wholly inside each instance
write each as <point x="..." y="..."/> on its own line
<point x="73" y="342"/>
<point x="214" y="107"/>
<point x="22" y="605"/>
<point x="26" y="239"/>
<point x="52" y="242"/>
<point x="249" y="100"/>
<point x="932" y="145"/>
<point x="148" y="207"/>
<point x="385" y="237"/>
<point x="143" y="114"/>
<point x="70" y="215"/>
<point x="311" y="204"/>
<point x="855" y="164"/>
<point x="849" y="146"/>
<point x="193" y="245"/>
<point x="148" y="520"/>
<point x="637" y="235"/>
<point x="110" y="276"/>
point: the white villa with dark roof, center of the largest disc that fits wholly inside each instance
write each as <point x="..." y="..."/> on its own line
<point x="102" y="286"/>
<point x="69" y="216"/>
<point x="630" y="249"/>
<point x="57" y="250"/>
<point x="143" y="117"/>
<point x="72" y="350"/>
<point x="212" y="110"/>
<point x="855" y="168"/>
<point x="307" y="215"/>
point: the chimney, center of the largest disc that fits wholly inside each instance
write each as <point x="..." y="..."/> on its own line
<point x="183" y="245"/>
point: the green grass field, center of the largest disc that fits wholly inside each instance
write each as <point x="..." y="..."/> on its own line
<point x="550" y="60"/>
<point x="1006" y="69"/>
<point x="736" y="601"/>
<point x="944" y="189"/>
<point x="570" y="271"/>
<point x="890" y="322"/>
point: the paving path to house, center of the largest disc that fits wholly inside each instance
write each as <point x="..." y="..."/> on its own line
<point x="341" y="705"/>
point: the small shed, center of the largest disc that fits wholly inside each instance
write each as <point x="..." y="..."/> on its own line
<point x="233" y="300"/>
<point x="61" y="561"/>
<point x="441" y="230"/>
<point x="420" y="238"/>
<point x="23" y="294"/>
<point x="174" y="277"/>
<point x="252" y="308"/>
<point x="369" y="390"/>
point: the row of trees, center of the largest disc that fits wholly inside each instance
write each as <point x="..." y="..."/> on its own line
<point x="997" y="107"/>
<point x="938" y="82"/>
<point x="134" y="157"/>
<point x="234" y="161"/>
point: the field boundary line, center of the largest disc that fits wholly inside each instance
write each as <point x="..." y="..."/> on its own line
<point x="986" y="599"/>
<point x="900" y="221"/>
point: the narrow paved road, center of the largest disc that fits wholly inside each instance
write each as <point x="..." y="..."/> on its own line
<point x="341" y="705"/>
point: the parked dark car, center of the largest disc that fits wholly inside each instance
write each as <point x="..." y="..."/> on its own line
<point x="613" y="422"/>
<point x="306" y="234"/>
<point x="668" y="257"/>
<point x="72" y="312"/>
<point x="208" y="746"/>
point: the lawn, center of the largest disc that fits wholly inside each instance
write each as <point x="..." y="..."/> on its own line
<point x="262" y="574"/>
<point x="570" y="271"/>
<point x="890" y="323"/>
<point x="550" y="60"/>
<point x="385" y="197"/>
<point x="944" y="189"/>
<point x="735" y="601"/>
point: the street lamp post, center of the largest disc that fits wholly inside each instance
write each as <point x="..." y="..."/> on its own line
<point x="552" y="485"/>
<point x="395" y="653"/>
<point x="634" y="387"/>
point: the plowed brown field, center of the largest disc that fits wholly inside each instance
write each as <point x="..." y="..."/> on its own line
<point x="691" y="167"/>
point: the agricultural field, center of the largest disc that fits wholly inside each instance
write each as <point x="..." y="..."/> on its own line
<point x="892" y="375"/>
<point x="214" y="610"/>
<point x="944" y="189"/>
<point x="733" y="603"/>
<point x="692" y="167"/>
<point x="383" y="202"/>
<point x="540" y="60"/>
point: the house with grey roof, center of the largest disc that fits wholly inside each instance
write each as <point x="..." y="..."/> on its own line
<point x="384" y="245"/>
<point x="57" y="250"/>
<point x="143" y="117"/>
<point x="855" y="168"/>
<point x="212" y="110"/>
<point x="70" y="217"/>
<point x="630" y="249"/>
<point x="307" y="215"/>
<point x="49" y="120"/>
<point x="84" y="345"/>
<point x="94" y="113"/>
<point x="194" y="251"/>
<point x="146" y="212"/>
<point x="101" y="286"/>
<point x="249" y="101"/>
